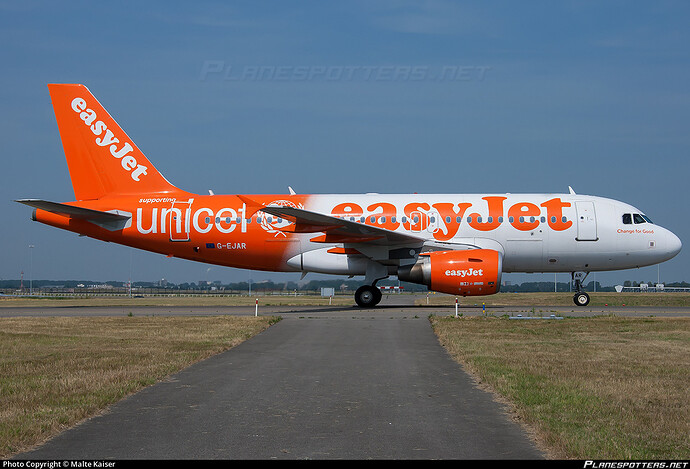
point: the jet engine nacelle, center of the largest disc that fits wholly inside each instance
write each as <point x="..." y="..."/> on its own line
<point x="468" y="273"/>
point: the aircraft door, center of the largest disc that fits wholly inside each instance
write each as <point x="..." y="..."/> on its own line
<point x="179" y="220"/>
<point x="418" y="221"/>
<point x="586" y="221"/>
<point x="433" y="222"/>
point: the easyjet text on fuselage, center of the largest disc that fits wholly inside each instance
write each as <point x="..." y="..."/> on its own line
<point x="412" y="216"/>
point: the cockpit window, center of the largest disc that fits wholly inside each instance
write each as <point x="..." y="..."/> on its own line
<point x="627" y="219"/>
<point x="638" y="218"/>
<point x="646" y="218"/>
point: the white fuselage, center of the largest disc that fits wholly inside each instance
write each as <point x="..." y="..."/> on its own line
<point x="535" y="232"/>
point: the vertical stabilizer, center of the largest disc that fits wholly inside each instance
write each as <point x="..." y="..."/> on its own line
<point x="102" y="159"/>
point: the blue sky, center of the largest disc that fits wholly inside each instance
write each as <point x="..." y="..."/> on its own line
<point x="340" y="97"/>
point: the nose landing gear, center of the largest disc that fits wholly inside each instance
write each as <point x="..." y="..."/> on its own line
<point x="581" y="298"/>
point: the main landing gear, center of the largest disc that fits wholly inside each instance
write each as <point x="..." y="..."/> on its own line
<point x="368" y="296"/>
<point x="581" y="298"/>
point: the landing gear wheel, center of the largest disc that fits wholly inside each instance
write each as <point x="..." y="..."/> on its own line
<point x="378" y="295"/>
<point x="581" y="299"/>
<point x="367" y="296"/>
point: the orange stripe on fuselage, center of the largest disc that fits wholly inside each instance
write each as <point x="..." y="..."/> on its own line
<point x="212" y="229"/>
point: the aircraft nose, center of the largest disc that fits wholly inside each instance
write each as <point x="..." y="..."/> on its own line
<point x="673" y="244"/>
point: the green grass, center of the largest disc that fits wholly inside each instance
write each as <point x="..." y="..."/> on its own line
<point x="589" y="388"/>
<point x="597" y="299"/>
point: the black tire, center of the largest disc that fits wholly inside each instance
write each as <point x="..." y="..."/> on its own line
<point x="367" y="296"/>
<point x="581" y="299"/>
<point x="378" y="295"/>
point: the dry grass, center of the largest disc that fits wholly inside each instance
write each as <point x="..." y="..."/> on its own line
<point x="173" y="300"/>
<point x="601" y="388"/>
<point x="55" y="372"/>
<point x="629" y="299"/>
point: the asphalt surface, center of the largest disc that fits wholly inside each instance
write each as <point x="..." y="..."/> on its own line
<point x="323" y="383"/>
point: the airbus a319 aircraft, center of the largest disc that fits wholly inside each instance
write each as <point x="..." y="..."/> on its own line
<point x="452" y="243"/>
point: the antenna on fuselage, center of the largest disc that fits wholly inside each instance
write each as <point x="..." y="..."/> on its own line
<point x="572" y="192"/>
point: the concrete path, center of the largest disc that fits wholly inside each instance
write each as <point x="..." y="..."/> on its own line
<point x="345" y="384"/>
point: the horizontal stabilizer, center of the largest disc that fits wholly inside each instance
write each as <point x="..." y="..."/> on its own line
<point x="109" y="220"/>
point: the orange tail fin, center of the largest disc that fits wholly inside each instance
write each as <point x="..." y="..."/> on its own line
<point x="102" y="159"/>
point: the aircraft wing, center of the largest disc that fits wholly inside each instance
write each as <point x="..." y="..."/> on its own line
<point x="336" y="230"/>
<point x="109" y="220"/>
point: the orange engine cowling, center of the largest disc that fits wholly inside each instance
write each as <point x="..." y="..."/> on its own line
<point x="467" y="273"/>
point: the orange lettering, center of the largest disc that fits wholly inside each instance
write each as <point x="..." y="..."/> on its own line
<point x="417" y="220"/>
<point x="554" y="214"/>
<point x="495" y="205"/>
<point x="519" y="213"/>
<point x="347" y="209"/>
<point x="451" y="219"/>
<point x="383" y="219"/>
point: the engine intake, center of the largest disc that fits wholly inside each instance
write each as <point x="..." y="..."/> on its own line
<point x="468" y="273"/>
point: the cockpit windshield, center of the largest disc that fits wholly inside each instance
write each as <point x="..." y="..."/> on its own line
<point x="637" y="218"/>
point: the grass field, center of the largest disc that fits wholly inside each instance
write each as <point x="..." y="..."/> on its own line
<point x="602" y="387"/>
<point x="57" y="371"/>
<point x="159" y="300"/>
<point x="590" y="388"/>
<point x="597" y="299"/>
